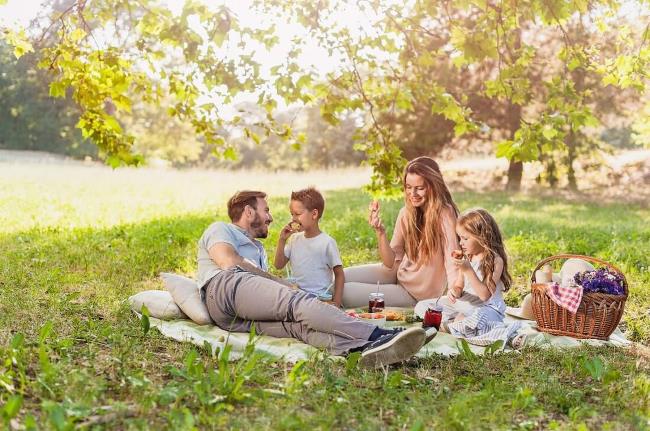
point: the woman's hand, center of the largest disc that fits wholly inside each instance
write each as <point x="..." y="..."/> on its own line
<point x="374" y="217"/>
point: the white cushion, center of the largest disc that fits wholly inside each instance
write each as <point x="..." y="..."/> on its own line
<point x="571" y="267"/>
<point x="160" y="304"/>
<point x="187" y="296"/>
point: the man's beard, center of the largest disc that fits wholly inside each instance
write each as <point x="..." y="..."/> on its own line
<point x="259" y="227"/>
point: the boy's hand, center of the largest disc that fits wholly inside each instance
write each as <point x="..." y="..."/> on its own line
<point x="287" y="231"/>
<point x="374" y="217"/>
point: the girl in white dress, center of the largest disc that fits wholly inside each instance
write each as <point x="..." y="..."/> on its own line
<point x="475" y="308"/>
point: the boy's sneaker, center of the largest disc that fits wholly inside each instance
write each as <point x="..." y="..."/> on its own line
<point x="392" y="348"/>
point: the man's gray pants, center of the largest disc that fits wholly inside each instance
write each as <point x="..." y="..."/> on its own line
<point x="236" y="298"/>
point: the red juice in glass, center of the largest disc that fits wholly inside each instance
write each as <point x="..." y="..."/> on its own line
<point x="432" y="317"/>
<point x="376" y="302"/>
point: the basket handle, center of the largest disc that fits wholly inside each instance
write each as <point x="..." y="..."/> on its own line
<point x="578" y="256"/>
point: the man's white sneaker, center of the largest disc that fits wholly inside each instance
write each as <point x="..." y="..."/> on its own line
<point x="392" y="348"/>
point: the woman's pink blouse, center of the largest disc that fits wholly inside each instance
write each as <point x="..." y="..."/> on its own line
<point x="430" y="279"/>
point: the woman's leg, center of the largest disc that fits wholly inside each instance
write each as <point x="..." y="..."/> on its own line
<point x="356" y="295"/>
<point x="360" y="280"/>
<point x="371" y="273"/>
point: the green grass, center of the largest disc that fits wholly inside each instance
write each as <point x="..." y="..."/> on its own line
<point x="76" y="243"/>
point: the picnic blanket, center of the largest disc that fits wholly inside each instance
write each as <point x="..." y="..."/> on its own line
<point x="291" y="350"/>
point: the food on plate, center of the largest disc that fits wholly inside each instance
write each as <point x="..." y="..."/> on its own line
<point x="372" y="316"/>
<point x="352" y="313"/>
<point x="394" y="315"/>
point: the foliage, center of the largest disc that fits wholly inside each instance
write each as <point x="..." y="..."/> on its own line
<point x="159" y="136"/>
<point x="461" y="60"/>
<point x="319" y="144"/>
<point x="397" y="69"/>
<point x="29" y="118"/>
<point x="110" y="54"/>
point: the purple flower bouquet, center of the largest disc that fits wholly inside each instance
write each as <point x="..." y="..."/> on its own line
<point x="601" y="280"/>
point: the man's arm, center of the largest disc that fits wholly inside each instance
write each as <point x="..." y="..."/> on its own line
<point x="225" y="256"/>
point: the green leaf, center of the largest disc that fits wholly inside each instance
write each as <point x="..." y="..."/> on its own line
<point x="494" y="347"/>
<point x="549" y="133"/>
<point x="230" y="153"/>
<point x="465" y="350"/>
<point x="45" y="331"/>
<point x="418" y="426"/>
<point x="352" y="361"/>
<point x="57" y="89"/>
<point x="12" y="406"/>
<point x="111" y="123"/>
<point x="144" y="319"/>
<point x="76" y="35"/>
<point x="19" y="41"/>
<point x="304" y="81"/>
<point x="574" y="64"/>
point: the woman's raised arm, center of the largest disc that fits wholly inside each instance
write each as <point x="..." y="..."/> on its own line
<point x="385" y="251"/>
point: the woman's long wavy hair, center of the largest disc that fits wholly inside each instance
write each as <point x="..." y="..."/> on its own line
<point x="422" y="225"/>
<point x="482" y="226"/>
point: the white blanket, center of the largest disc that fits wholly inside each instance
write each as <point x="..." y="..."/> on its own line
<point x="291" y="350"/>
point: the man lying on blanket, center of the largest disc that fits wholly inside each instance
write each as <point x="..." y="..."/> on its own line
<point x="238" y="291"/>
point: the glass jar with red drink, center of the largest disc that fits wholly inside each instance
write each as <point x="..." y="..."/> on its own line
<point x="376" y="302"/>
<point x="432" y="317"/>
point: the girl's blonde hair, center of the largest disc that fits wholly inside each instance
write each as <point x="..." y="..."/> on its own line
<point x="482" y="226"/>
<point x="423" y="225"/>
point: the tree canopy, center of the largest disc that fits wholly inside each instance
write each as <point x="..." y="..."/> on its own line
<point x="532" y="75"/>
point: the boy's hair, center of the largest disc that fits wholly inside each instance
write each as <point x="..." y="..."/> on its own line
<point x="311" y="199"/>
<point x="239" y="200"/>
<point x="482" y="226"/>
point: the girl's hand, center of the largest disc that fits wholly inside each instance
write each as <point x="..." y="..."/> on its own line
<point x="374" y="217"/>
<point x="462" y="264"/>
<point x="451" y="296"/>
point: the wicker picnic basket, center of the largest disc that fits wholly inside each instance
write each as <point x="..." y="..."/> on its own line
<point x="596" y="317"/>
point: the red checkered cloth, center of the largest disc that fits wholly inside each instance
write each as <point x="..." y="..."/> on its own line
<point x="568" y="297"/>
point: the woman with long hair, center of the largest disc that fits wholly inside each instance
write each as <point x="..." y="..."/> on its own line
<point x="416" y="263"/>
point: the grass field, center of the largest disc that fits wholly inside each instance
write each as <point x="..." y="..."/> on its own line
<point x="75" y="242"/>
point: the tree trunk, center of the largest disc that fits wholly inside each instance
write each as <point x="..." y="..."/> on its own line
<point x="570" y="142"/>
<point x="516" y="168"/>
<point x="515" y="173"/>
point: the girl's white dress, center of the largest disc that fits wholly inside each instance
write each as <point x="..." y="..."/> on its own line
<point x="483" y="322"/>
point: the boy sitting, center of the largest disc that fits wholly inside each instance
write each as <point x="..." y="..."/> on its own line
<point x="313" y="254"/>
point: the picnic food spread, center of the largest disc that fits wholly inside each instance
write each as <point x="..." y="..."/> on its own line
<point x="390" y="315"/>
